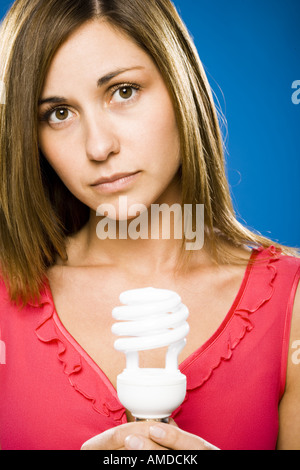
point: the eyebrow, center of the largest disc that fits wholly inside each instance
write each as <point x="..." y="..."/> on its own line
<point x="53" y="99"/>
<point x="109" y="76"/>
<point x="102" y="81"/>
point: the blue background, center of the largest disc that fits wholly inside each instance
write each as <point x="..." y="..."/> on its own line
<point x="251" y="53"/>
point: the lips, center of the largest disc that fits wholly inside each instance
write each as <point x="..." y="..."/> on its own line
<point x="115" y="183"/>
<point x="113" y="178"/>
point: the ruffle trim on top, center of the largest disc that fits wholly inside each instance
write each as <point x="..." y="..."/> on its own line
<point x="93" y="384"/>
<point x="222" y="345"/>
<point x="82" y="377"/>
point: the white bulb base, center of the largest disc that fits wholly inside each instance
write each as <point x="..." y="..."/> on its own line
<point x="151" y="394"/>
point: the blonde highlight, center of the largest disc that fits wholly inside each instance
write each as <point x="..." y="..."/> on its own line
<point x="37" y="213"/>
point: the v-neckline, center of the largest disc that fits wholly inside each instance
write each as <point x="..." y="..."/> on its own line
<point x="185" y="364"/>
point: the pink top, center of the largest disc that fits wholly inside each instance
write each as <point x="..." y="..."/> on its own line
<point x="54" y="396"/>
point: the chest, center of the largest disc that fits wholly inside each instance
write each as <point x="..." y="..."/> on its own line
<point x="84" y="301"/>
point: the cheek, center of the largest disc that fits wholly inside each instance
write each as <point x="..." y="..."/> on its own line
<point x="58" y="154"/>
<point x="49" y="147"/>
<point x="166" y="137"/>
<point x="157" y="135"/>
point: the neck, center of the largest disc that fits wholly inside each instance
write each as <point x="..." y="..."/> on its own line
<point x="148" y="241"/>
<point x="150" y="238"/>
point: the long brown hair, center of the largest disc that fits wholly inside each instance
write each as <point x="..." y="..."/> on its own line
<point x="37" y="212"/>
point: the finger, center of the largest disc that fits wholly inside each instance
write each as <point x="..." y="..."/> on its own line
<point x="172" y="437"/>
<point x="113" y="439"/>
<point x="139" y="442"/>
<point x="108" y="440"/>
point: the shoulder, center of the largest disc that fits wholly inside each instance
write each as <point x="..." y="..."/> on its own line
<point x="282" y="263"/>
<point x="289" y="410"/>
<point x="8" y="306"/>
<point x="290" y="261"/>
<point x="286" y="276"/>
<point x="295" y="331"/>
<point x="4" y="294"/>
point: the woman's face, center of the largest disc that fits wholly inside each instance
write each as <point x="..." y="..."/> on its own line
<point x="106" y="120"/>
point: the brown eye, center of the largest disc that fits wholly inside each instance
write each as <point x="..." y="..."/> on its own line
<point x="61" y="114"/>
<point x="126" y="93"/>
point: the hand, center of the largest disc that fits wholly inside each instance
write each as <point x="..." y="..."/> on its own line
<point x="147" y="435"/>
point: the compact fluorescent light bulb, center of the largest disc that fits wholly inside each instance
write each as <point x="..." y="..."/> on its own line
<point x="151" y="318"/>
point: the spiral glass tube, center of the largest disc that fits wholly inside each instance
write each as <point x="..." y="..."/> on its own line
<point x="151" y="318"/>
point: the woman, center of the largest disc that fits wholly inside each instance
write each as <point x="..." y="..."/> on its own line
<point x="107" y="102"/>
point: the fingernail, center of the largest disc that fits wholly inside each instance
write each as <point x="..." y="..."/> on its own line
<point x="157" y="431"/>
<point x="134" y="442"/>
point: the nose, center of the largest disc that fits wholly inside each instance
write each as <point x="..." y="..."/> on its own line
<point x="101" y="140"/>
